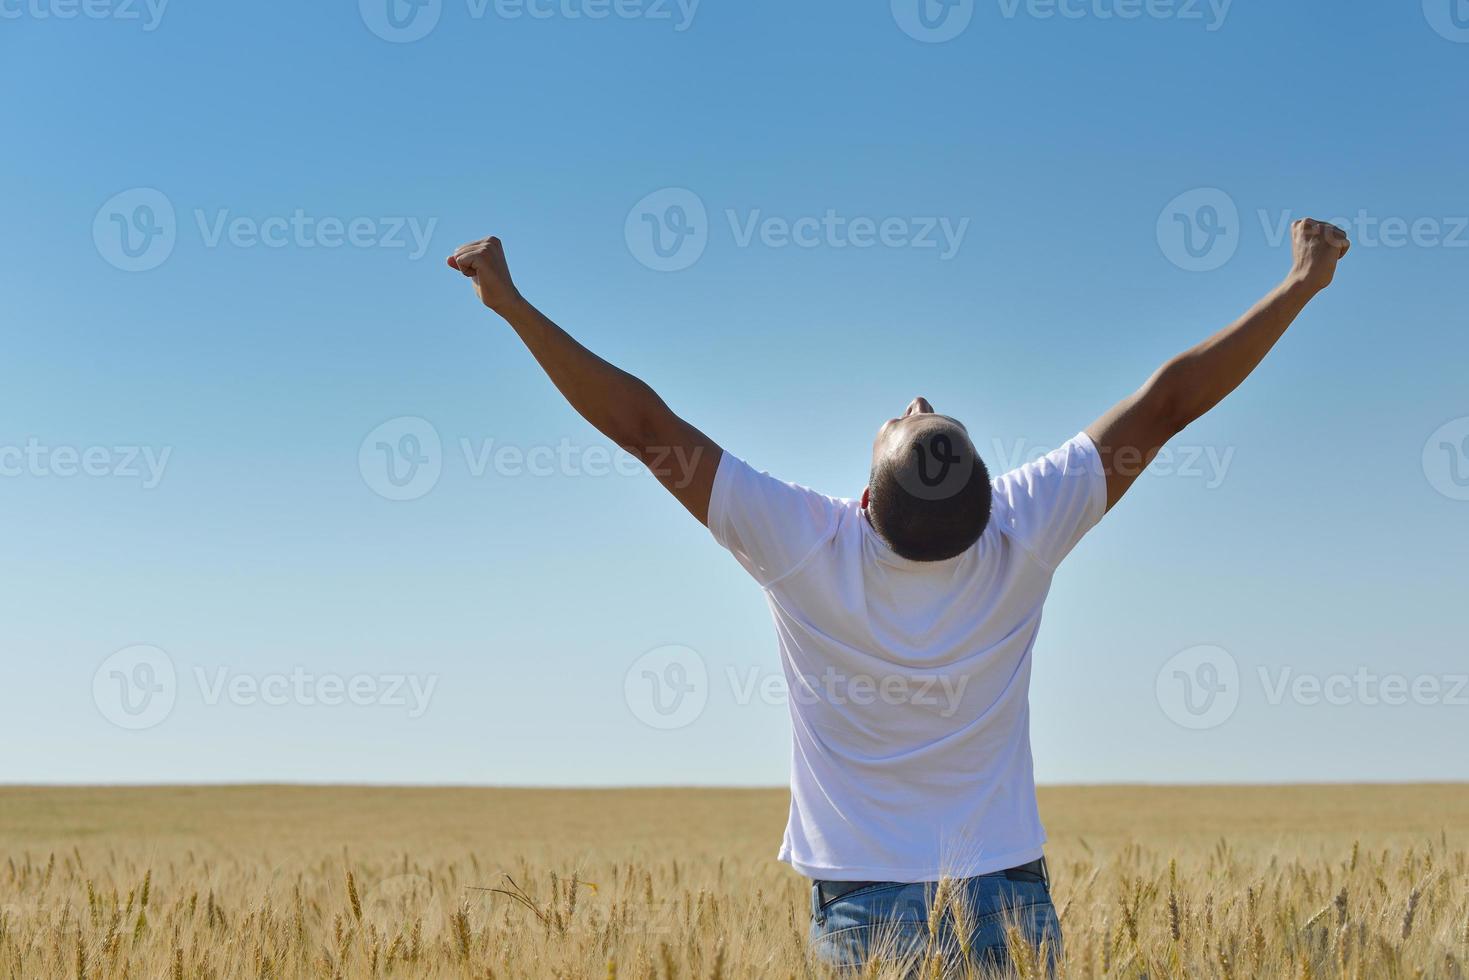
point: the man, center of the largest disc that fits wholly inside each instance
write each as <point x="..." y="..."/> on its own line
<point x="906" y="620"/>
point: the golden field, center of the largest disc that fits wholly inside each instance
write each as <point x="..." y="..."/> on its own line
<point x="277" y="882"/>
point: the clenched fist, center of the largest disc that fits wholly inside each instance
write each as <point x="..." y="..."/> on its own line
<point x="1318" y="247"/>
<point x="484" y="262"/>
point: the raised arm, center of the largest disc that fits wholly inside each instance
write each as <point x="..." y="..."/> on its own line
<point x="618" y="405"/>
<point x="1132" y="433"/>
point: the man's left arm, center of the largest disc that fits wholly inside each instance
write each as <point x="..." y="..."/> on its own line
<point x="1131" y="434"/>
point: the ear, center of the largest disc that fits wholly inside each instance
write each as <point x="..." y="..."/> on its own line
<point x="866" y="491"/>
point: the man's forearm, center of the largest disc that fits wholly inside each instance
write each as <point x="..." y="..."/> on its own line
<point x="1200" y="378"/>
<point x="616" y="403"/>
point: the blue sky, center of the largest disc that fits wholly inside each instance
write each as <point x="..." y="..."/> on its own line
<point x="987" y="205"/>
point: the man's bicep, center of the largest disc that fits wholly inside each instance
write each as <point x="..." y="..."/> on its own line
<point x="683" y="459"/>
<point x="1129" y="436"/>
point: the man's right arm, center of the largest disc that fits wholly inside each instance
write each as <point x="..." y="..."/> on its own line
<point x="1136" y="428"/>
<point x="620" y="406"/>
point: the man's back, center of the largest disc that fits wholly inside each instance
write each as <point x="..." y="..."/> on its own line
<point x="908" y="679"/>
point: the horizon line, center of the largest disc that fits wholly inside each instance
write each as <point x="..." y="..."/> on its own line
<point x="746" y="787"/>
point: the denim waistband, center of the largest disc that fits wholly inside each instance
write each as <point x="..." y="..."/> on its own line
<point x="827" y="892"/>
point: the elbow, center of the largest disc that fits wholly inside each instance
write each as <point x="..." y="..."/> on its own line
<point x="1174" y="416"/>
<point x="638" y="426"/>
<point x="632" y="433"/>
<point x="1172" y="397"/>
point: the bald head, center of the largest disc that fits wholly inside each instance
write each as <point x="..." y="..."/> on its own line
<point x="929" y="493"/>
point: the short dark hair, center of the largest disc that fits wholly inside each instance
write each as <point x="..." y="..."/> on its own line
<point x="930" y="497"/>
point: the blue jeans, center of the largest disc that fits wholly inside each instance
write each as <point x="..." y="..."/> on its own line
<point x="889" y="922"/>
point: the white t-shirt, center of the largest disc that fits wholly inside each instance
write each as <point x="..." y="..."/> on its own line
<point x="908" y="680"/>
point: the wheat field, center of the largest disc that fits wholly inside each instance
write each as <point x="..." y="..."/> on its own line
<point x="277" y="882"/>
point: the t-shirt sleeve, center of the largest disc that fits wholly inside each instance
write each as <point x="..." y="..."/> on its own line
<point x="770" y="526"/>
<point x="1049" y="504"/>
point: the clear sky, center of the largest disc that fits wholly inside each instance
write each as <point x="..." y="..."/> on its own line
<point x="225" y="307"/>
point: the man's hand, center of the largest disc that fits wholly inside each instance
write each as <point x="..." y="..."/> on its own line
<point x="484" y="262"/>
<point x="1318" y="247"/>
